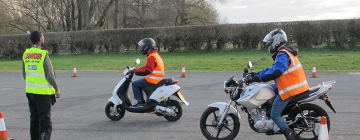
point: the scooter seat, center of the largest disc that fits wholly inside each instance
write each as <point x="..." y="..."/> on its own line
<point x="167" y="82"/>
<point x="152" y="87"/>
<point x="304" y="95"/>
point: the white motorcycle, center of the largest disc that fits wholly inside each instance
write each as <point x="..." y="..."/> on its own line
<point x="158" y="99"/>
<point x="221" y="120"/>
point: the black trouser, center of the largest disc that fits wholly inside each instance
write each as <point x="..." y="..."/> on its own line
<point x="40" y="121"/>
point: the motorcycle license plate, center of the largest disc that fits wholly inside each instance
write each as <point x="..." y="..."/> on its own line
<point x="182" y="98"/>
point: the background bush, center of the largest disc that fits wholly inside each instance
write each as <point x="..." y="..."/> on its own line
<point x="333" y="34"/>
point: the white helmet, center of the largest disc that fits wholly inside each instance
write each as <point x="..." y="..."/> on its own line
<point x="275" y="39"/>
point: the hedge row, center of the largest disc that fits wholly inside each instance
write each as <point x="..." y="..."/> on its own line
<point x="328" y="33"/>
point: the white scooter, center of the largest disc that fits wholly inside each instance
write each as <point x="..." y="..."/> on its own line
<point x="158" y="102"/>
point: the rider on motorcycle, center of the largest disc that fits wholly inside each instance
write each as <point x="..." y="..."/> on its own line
<point x="153" y="70"/>
<point x="288" y="74"/>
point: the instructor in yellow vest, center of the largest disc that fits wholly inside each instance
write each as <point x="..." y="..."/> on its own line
<point x="41" y="87"/>
<point x="288" y="74"/>
<point x="154" y="70"/>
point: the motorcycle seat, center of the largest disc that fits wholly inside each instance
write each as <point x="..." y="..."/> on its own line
<point x="304" y="95"/>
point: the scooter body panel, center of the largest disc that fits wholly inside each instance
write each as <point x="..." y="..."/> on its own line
<point x="164" y="92"/>
<point x="120" y="92"/>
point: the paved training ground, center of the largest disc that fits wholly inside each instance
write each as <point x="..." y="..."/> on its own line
<point x="79" y="114"/>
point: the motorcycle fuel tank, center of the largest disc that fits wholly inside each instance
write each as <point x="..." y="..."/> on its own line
<point x="255" y="95"/>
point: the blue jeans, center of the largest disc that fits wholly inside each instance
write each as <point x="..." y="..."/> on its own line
<point x="278" y="107"/>
<point x="138" y="86"/>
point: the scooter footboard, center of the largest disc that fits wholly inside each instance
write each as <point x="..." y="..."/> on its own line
<point x="222" y="105"/>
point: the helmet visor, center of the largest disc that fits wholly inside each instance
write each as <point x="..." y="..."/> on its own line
<point x="141" y="43"/>
<point x="268" y="38"/>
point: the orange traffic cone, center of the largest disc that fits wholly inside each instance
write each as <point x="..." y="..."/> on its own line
<point x="323" y="131"/>
<point x="183" y="72"/>
<point x="3" y="132"/>
<point x="75" y="73"/>
<point x="313" y="72"/>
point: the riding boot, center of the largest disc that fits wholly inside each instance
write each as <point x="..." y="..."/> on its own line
<point x="290" y="135"/>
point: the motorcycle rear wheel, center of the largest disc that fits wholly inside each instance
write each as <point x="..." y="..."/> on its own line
<point x="109" y="111"/>
<point x="313" y="114"/>
<point x="204" y="125"/>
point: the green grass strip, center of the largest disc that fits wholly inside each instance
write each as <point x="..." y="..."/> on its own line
<point x="214" y="61"/>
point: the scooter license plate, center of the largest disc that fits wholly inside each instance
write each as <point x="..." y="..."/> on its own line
<point x="182" y="98"/>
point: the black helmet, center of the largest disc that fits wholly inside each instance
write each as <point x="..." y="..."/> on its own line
<point x="147" y="44"/>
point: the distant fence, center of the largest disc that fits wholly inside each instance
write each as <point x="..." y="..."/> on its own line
<point x="326" y="33"/>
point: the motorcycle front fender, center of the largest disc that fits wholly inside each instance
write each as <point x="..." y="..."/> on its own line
<point x="222" y="105"/>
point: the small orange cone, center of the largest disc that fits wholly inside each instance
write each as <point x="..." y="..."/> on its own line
<point x="3" y="132"/>
<point x="183" y="72"/>
<point x="323" y="131"/>
<point x="313" y="72"/>
<point x="75" y="73"/>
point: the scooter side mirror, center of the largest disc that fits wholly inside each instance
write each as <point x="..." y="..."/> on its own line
<point x="137" y="61"/>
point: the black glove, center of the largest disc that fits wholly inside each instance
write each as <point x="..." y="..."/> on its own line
<point x="253" y="74"/>
<point x="252" y="77"/>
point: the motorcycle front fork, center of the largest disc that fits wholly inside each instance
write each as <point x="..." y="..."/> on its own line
<point x="223" y="114"/>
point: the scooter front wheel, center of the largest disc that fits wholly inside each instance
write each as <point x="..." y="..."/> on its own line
<point x="114" y="115"/>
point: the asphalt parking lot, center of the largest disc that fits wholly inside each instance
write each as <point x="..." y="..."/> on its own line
<point x="79" y="113"/>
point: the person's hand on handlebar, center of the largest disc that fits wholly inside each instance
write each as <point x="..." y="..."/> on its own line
<point x="130" y="72"/>
<point x="251" y="77"/>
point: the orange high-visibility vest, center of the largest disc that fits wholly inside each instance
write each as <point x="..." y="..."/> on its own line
<point x="159" y="72"/>
<point x="293" y="81"/>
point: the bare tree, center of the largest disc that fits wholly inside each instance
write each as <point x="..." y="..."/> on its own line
<point x="71" y="15"/>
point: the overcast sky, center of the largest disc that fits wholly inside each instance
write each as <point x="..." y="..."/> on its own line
<point x="254" y="11"/>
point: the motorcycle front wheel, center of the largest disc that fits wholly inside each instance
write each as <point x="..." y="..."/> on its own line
<point x="114" y="115"/>
<point x="209" y="120"/>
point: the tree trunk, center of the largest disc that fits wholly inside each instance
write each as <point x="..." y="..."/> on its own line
<point x="180" y="8"/>
<point x="68" y="16"/>
<point x="79" y="14"/>
<point x="116" y="14"/>
<point x="124" y="13"/>
<point x="85" y="11"/>
<point x="73" y="27"/>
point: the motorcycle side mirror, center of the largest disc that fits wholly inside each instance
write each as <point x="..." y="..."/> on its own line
<point x="246" y="70"/>
<point x="250" y="65"/>
<point x="137" y="61"/>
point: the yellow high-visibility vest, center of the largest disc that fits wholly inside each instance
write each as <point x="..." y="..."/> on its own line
<point x="36" y="82"/>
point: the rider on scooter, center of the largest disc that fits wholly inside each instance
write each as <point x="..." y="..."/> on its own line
<point x="154" y="70"/>
<point x="288" y="74"/>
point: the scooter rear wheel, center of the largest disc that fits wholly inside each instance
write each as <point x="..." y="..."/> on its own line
<point x="114" y="116"/>
<point x="177" y="108"/>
